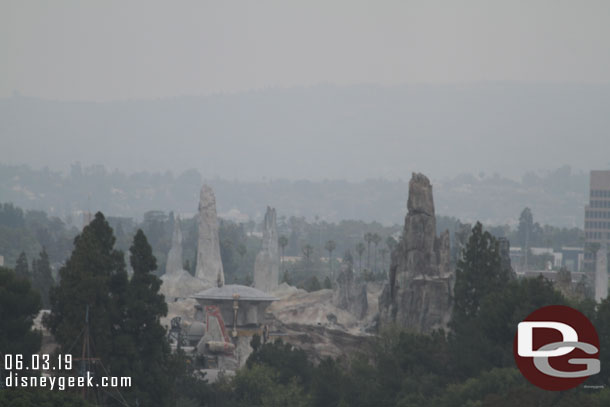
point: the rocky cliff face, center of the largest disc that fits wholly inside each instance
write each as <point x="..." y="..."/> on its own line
<point x="418" y="295"/>
<point x="350" y="295"/>
<point x="176" y="282"/>
<point x="174" y="257"/>
<point x="209" y="264"/>
<point x="267" y="264"/>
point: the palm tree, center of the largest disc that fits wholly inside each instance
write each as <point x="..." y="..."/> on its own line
<point x="368" y="238"/>
<point x="330" y="246"/>
<point x="360" y="248"/>
<point x="283" y="242"/>
<point x="376" y="239"/>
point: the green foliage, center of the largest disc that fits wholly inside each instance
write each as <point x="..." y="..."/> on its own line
<point x="259" y="385"/>
<point x="488" y="306"/>
<point x="276" y="374"/>
<point x="22" y="269"/>
<point x="42" y="278"/>
<point x="327" y="384"/>
<point x="145" y="352"/>
<point x="479" y="272"/>
<point x="28" y="232"/>
<point x="11" y="216"/>
<point x="526" y="229"/>
<point x="327" y="284"/>
<point x="601" y="321"/>
<point x="485" y="341"/>
<point x="158" y="227"/>
<point x="289" y="362"/>
<point x="123" y="315"/>
<point x="19" y="305"/>
<point x="255" y="343"/>
<point x="28" y="397"/>
<point x="190" y="390"/>
<point x="93" y="276"/>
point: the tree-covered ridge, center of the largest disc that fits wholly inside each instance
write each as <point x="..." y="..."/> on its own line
<point x="30" y="232"/>
<point x="557" y="196"/>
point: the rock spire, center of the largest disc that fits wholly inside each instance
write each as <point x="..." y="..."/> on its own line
<point x="267" y="264"/>
<point x="174" y="257"/>
<point x="209" y="265"/>
<point x="418" y="295"/>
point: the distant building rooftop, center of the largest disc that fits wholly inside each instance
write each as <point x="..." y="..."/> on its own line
<point x="229" y="291"/>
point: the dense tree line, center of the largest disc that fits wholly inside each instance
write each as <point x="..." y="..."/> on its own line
<point x="29" y="232"/>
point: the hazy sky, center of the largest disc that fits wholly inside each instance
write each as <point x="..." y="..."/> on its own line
<point x="104" y="50"/>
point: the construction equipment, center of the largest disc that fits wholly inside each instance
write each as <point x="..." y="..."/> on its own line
<point x="215" y="324"/>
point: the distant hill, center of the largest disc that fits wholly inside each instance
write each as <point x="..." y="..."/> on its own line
<point x="555" y="197"/>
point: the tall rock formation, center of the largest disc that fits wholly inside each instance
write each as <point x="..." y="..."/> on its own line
<point x="267" y="264"/>
<point x="349" y="294"/>
<point x="209" y="264"/>
<point x="176" y="282"/>
<point x="418" y="295"/>
<point x="174" y="257"/>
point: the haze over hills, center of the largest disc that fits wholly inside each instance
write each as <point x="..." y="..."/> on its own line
<point x="557" y="197"/>
<point x="321" y="132"/>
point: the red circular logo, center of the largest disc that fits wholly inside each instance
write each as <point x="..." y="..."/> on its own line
<point x="556" y="348"/>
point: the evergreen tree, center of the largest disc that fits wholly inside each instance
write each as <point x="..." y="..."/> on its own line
<point x="93" y="276"/>
<point x="19" y="305"/>
<point x="42" y="278"/>
<point x="479" y="273"/>
<point x="146" y="355"/>
<point x="525" y="228"/>
<point x="22" y="268"/>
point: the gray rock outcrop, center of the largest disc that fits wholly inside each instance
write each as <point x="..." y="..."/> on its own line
<point x="349" y="294"/>
<point x="174" y="257"/>
<point x="418" y="295"/>
<point x="176" y="282"/>
<point x="180" y="284"/>
<point x="267" y="264"/>
<point x="209" y="265"/>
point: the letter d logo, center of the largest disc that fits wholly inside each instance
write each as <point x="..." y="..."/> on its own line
<point x="526" y="338"/>
<point x="556" y="348"/>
